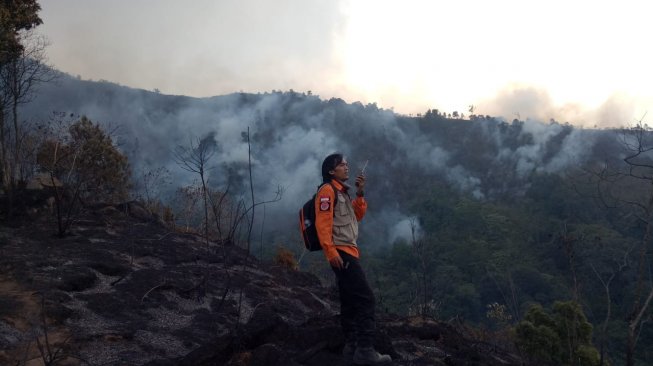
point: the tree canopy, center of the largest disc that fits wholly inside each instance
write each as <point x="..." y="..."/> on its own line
<point x="15" y="16"/>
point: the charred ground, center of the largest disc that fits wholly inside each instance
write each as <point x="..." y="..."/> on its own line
<point x="123" y="288"/>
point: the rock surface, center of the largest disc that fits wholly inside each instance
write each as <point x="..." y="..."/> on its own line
<point x="123" y="289"/>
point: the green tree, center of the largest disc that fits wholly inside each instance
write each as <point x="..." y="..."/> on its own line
<point x="15" y="16"/>
<point x="576" y="333"/>
<point x="84" y="159"/>
<point x="101" y="167"/>
<point x="536" y="336"/>
<point x="563" y="337"/>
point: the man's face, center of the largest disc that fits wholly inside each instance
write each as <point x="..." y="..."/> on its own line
<point x="341" y="171"/>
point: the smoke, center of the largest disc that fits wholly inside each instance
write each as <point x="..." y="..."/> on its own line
<point x="576" y="148"/>
<point x="530" y="102"/>
<point x="291" y="133"/>
<point x="407" y="229"/>
<point x="196" y="48"/>
<point x="611" y="112"/>
<point x="520" y="102"/>
<point x="529" y="157"/>
<point x="465" y="181"/>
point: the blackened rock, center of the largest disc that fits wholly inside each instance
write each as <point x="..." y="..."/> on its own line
<point x="109" y="266"/>
<point x="136" y="210"/>
<point x="9" y="336"/>
<point x="76" y="279"/>
<point x="57" y="312"/>
<point x="162" y="362"/>
<point x="269" y="355"/>
<point x="215" y="352"/>
<point x="317" y="330"/>
<point x="296" y="278"/>
<point x="265" y="325"/>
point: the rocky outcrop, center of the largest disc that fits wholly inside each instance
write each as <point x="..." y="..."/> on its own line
<point x="268" y="340"/>
<point x="124" y="289"/>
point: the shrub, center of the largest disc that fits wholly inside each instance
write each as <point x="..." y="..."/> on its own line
<point x="542" y="336"/>
<point x="87" y="161"/>
<point x="286" y="258"/>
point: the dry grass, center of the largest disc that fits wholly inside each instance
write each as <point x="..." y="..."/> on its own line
<point x="25" y="317"/>
<point x="285" y="258"/>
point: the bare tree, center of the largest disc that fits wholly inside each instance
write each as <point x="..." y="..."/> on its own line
<point x="567" y="241"/>
<point x="18" y="80"/>
<point x="606" y="276"/>
<point x="5" y="136"/>
<point x="58" y="158"/>
<point x="250" y="225"/>
<point x="195" y="159"/>
<point x="227" y="213"/>
<point x="150" y="185"/>
<point x="510" y="301"/>
<point x="419" y="246"/>
<point x="187" y="198"/>
<point x="628" y="185"/>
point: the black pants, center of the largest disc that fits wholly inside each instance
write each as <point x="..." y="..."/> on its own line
<point x="356" y="302"/>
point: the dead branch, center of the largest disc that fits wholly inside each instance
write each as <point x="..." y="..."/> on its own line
<point x="163" y="284"/>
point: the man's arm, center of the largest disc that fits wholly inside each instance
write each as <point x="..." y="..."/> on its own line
<point x="360" y="205"/>
<point x="324" y="201"/>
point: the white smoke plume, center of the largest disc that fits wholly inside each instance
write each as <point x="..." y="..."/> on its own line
<point x="291" y="133"/>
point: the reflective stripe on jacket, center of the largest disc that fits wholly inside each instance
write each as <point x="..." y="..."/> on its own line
<point x="340" y="230"/>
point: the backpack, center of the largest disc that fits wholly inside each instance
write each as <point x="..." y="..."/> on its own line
<point x="307" y="222"/>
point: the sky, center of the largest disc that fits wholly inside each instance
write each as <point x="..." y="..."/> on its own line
<point x="583" y="62"/>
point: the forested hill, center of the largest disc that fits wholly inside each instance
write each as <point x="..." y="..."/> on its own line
<point x="464" y="213"/>
<point x="488" y="158"/>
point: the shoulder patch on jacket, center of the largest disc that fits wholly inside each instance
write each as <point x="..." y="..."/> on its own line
<point x="325" y="203"/>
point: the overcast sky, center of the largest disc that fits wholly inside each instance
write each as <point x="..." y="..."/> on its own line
<point x="586" y="62"/>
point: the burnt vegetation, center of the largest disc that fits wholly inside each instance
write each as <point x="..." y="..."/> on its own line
<point x="527" y="242"/>
<point x="510" y="246"/>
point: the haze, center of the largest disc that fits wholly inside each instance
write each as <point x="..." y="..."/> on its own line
<point x="582" y="62"/>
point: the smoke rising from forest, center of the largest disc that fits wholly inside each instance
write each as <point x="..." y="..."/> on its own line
<point x="291" y="133"/>
<point x="520" y="101"/>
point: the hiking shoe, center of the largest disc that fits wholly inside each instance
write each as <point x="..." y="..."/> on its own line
<point x="348" y="351"/>
<point x="368" y="356"/>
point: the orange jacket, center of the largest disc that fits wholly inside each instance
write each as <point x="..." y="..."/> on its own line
<point x="324" y="200"/>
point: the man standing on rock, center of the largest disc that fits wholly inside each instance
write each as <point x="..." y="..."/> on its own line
<point x="337" y="232"/>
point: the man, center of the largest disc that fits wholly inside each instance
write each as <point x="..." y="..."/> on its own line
<point x="338" y="232"/>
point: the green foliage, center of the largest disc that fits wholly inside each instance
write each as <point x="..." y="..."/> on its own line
<point x="538" y="341"/>
<point x="571" y="322"/>
<point x="87" y="161"/>
<point x="498" y="313"/>
<point x="508" y="252"/>
<point x="15" y="16"/>
<point x="539" y="317"/>
<point x="564" y="338"/>
<point x="103" y="169"/>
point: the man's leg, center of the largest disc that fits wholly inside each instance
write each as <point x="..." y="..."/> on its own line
<point x="360" y="297"/>
<point x="347" y="311"/>
<point x="361" y="300"/>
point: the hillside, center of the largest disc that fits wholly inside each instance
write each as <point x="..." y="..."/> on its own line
<point x="465" y="214"/>
<point x="125" y="289"/>
<point x="487" y="158"/>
